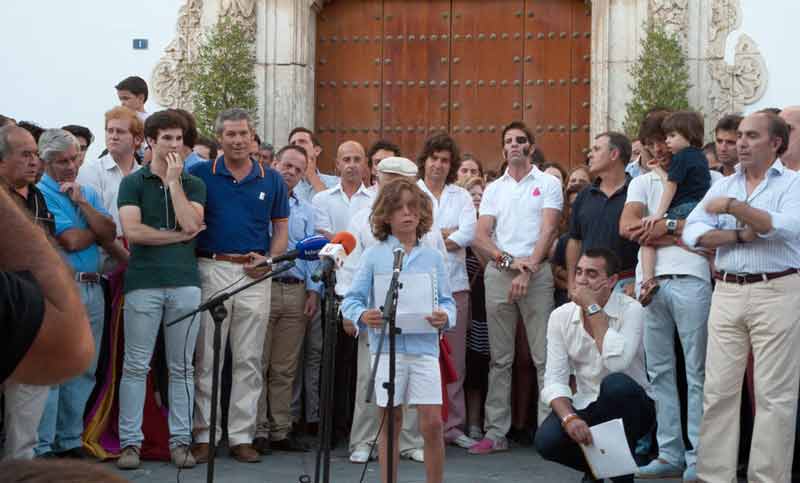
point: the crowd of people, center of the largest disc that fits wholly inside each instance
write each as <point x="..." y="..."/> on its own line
<point x="663" y="269"/>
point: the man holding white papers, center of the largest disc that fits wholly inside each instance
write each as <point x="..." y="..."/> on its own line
<point x="599" y="337"/>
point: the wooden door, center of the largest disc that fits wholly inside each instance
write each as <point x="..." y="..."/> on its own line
<point x="402" y="69"/>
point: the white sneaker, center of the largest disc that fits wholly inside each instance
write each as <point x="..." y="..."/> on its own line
<point x="417" y="455"/>
<point x="359" y="456"/>
<point x="464" y="441"/>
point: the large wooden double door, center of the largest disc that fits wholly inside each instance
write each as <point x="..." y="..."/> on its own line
<point x="402" y="69"/>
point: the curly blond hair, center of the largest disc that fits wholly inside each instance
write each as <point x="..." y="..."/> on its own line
<point x="390" y="199"/>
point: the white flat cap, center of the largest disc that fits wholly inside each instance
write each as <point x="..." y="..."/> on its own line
<point x="397" y="165"/>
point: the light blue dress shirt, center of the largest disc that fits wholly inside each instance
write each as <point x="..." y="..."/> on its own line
<point x="776" y="251"/>
<point x="378" y="260"/>
<point x="68" y="215"/>
<point x="305" y="191"/>
<point x="301" y="225"/>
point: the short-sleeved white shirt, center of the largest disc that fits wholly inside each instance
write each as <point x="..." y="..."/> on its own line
<point x="517" y="208"/>
<point x="333" y="209"/>
<point x="670" y="260"/>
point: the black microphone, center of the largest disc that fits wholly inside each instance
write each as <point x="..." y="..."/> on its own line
<point x="399" y="253"/>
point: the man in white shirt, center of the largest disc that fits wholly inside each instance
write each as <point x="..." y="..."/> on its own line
<point x="598" y="336"/>
<point x="453" y="215"/>
<point x="682" y="303"/>
<point x="365" y="423"/>
<point x="752" y="219"/>
<point x="333" y="209"/>
<point x="519" y="215"/>
<point x="124" y="132"/>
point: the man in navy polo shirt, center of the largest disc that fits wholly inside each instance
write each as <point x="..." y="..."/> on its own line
<point x="243" y="200"/>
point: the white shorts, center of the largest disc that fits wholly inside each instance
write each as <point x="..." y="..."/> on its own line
<point x="418" y="380"/>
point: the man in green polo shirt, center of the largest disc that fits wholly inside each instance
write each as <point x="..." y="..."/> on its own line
<point x="161" y="210"/>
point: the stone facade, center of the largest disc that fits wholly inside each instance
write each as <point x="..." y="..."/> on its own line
<point x="285" y="51"/>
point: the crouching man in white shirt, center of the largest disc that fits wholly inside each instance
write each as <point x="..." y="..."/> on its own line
<point x="599" y="336"/>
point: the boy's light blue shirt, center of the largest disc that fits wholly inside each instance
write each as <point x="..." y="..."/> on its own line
<point x="377" y="260"/>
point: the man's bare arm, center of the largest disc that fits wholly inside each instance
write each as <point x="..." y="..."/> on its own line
<point x="64" y="347"/>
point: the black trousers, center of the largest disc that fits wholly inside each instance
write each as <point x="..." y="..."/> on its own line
<point x="620" y="397"/>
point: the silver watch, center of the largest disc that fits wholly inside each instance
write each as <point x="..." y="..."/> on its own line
<point x="593" y="309"/>
<point x="672" y="225"/>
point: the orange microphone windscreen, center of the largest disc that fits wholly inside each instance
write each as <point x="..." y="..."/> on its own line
<point x="346" y="240"/>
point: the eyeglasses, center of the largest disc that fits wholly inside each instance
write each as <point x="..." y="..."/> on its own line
<point x="518" y="139"/>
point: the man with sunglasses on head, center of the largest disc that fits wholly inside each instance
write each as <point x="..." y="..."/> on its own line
<point x="518" y="220"/>
<point x="161" y="209"/>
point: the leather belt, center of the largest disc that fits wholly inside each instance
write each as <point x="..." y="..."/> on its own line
<point x="746" y="278"/>
<point x="288" y="280"/>
<point x="674" y="276"/>
<point x="221" y="257"/>
<point x="88" y="277"/>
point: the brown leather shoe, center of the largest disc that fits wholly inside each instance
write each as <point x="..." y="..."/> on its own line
<point x="245" y="453"/>
<point x="200" y="452"/>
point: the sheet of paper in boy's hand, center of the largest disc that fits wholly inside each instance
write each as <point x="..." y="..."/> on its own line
<point x="417" y="300"/>
<point x="610" y="455"/>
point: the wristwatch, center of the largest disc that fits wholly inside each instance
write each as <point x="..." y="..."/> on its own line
<point x="504" y="261"/>
<point x="672" y="225"/>
<point x="593" y="309"/>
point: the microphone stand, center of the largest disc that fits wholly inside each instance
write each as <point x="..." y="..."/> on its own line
<point x="389" y="310"/>
<point x="216" y="307"/>
<point x="329" y="323"/>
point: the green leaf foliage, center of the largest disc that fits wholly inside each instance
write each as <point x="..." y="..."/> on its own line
<point x="660" y="77"/>
<point x="222" y="75"/>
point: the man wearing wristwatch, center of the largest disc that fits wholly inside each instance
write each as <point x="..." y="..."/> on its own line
<point x="681" y="304"/>
<point x="752" y="218"/>
<point x="519" y="214"/>
<point x="598" y="337"/>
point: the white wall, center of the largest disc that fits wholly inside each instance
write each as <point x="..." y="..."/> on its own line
<point x="773" y="31"/>
<point x="62" y="59"/>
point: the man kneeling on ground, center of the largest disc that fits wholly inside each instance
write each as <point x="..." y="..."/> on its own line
<point x="599" y="336"/>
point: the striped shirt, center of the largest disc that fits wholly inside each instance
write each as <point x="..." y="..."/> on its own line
<point x="779" y="195"/>
<point x="478" y="335"/>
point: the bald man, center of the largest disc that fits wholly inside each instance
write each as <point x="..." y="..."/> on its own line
<point x="333" y="209"/>
<point x="791" y="158"/>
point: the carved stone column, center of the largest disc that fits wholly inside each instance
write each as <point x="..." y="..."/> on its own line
<point x="285" y="66"/>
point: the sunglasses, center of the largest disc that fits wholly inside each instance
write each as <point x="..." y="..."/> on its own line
<point x="518" y="139"/>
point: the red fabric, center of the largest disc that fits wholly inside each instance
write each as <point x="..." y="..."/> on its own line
<point x="448" y="372"/>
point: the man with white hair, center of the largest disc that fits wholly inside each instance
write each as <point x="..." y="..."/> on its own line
<point x="365" y="422"/>
<point x="82" y="224"/>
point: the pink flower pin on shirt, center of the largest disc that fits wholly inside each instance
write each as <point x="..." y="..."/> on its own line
<point x="536" y="191"/>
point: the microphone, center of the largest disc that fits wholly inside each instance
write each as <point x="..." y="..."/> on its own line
<point x="306" y="249"/>
<point x="399" y="253"/>
<point x="333" y="254"/>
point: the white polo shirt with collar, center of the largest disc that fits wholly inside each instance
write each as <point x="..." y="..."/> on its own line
<point x="570" y="349"/>
<point x="333" y="209"/>
<point x="105" y="176"/>
<point x="455" y="209"/>
<point x="517" y="209"/>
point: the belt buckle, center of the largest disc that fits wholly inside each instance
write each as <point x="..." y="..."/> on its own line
<point x="741" y="279"/>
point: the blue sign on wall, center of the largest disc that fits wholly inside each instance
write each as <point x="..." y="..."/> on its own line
<point x="139" y="44"/>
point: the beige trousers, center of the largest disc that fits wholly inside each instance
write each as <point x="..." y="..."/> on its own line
<point x="245" y="328"/>
<point x="764" y="317"/>
<point x="365" y="416"/>
<point x="282" y="346"/>
<point x="534" y="308"/>
<point x="24" y="409"/>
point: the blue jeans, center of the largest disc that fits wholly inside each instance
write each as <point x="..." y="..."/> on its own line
<point x="61" y="425"/>
<point x="681" y="303"/>
<point x="145" y="311"/>
<point x="620" y="397"/>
